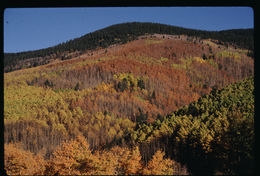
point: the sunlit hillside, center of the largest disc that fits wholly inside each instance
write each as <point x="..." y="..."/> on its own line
<point x="115" y="102"/>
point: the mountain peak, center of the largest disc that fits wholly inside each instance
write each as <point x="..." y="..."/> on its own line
<point x="122" y="33"/>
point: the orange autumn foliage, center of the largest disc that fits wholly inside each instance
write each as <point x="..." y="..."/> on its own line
<point x="67" y="159"/>
<point x="75" y="158"/>
<point x="21" y="162"/>
<point x="159" y="166"/>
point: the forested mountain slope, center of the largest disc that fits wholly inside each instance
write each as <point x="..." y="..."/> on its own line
<point x="213" y="134"/>
<point x="119" y="34"/>
<point x="116" y="96"/>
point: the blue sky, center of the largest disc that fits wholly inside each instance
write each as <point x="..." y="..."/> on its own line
<point x="36" y="28"/>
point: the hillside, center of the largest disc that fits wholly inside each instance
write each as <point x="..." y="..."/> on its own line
<point x="111" y="95"/>
<point x="213" y="134"/>
<point x="119" y="34"/>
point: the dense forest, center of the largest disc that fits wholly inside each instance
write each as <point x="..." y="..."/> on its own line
<point x="214" y="135"/>
<point x="159" y="104"/>
<point x="119" y="34"/>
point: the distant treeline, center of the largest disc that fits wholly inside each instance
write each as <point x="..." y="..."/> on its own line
<point x="122" y="33"/>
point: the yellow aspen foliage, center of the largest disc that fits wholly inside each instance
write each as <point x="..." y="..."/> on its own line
<point x="112" y="132"/>
<point x="199" y="59"/>
<point x="104" y="87"/>
<point x="229" y="54"/>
